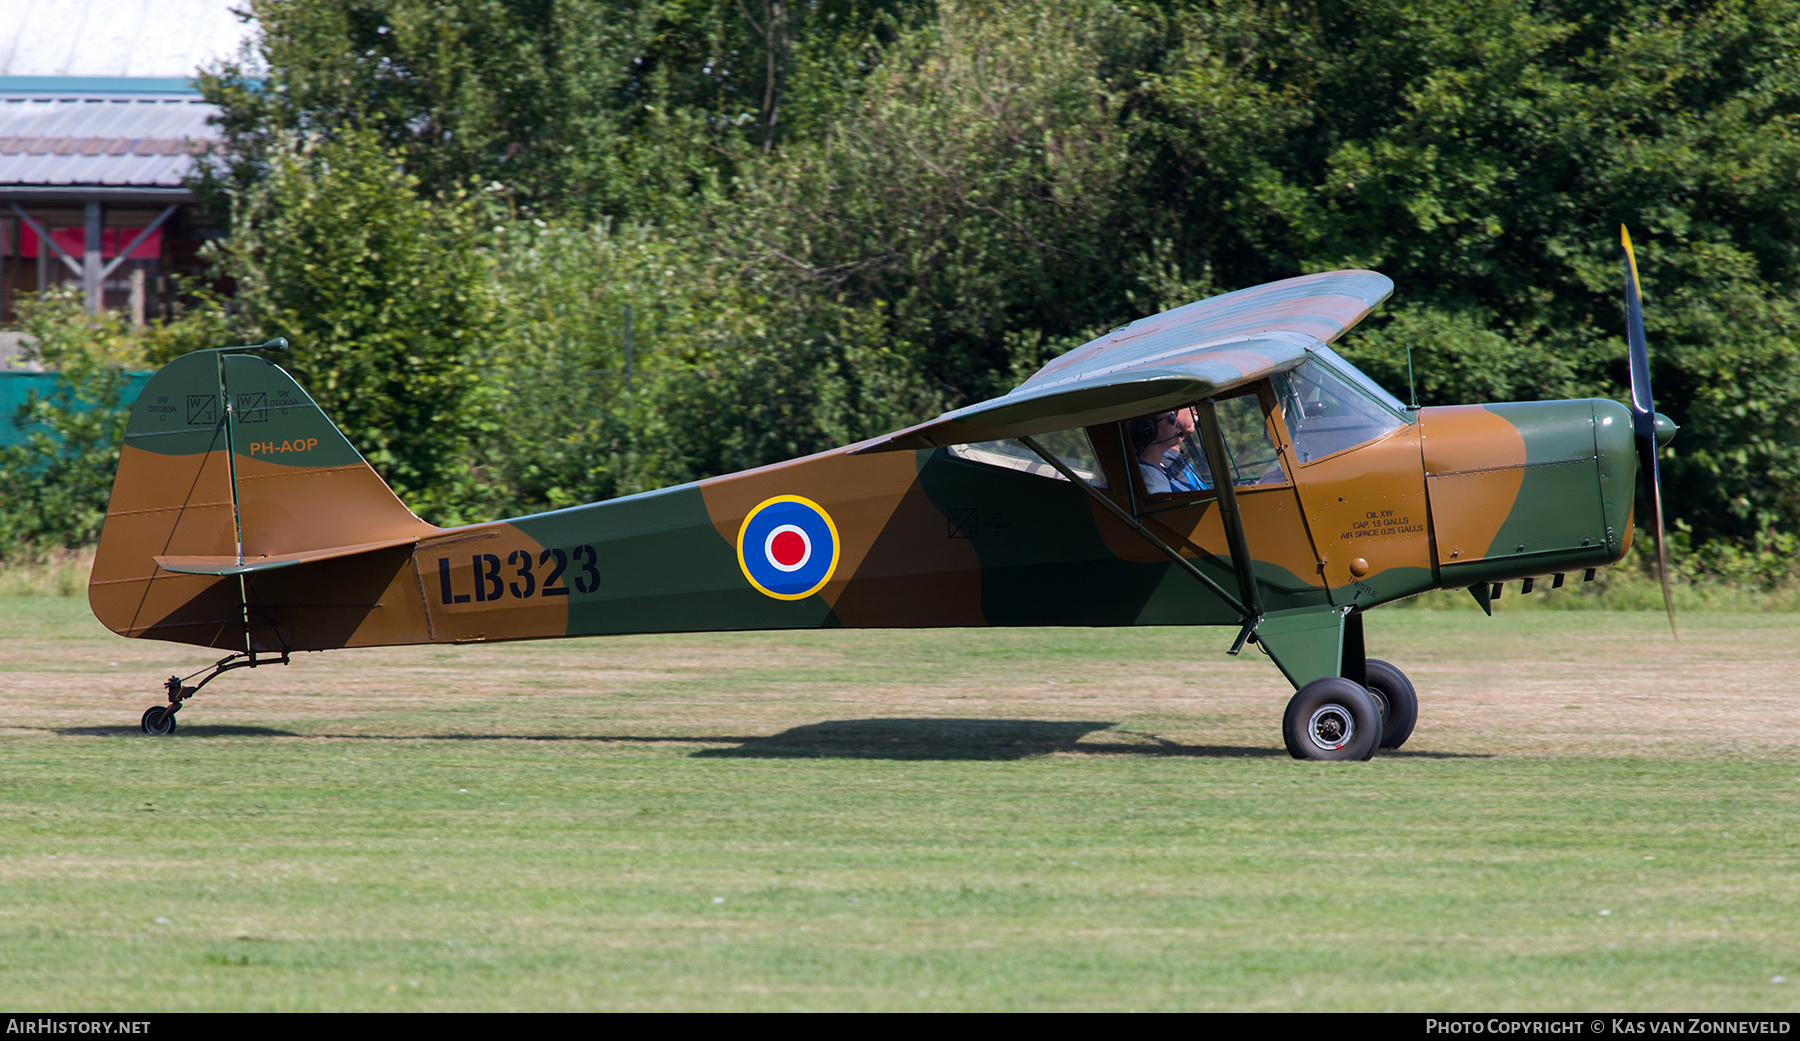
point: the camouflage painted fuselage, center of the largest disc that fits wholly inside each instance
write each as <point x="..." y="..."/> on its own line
<point x="241" y="519"/>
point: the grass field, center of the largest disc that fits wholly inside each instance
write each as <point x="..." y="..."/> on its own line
<point x="1590" y="816"/>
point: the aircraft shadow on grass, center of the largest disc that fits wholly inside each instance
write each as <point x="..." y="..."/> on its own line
<point x="954" y="739"/>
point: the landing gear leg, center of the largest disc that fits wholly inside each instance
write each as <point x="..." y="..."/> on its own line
<point x="159" y="720"/>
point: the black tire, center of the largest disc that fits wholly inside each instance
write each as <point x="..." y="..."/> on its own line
<point x="1401" y="710"/>
<point x="1332" y="719"/>
<point x="158" y="720"/>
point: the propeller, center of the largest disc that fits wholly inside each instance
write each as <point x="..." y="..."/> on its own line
<point x="1644" y="417"/>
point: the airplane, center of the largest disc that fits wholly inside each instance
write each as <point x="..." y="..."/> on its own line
<point x="1214" y="464"/>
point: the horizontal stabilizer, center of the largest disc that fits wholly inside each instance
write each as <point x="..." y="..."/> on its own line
<point x="1169" y="359"/>
<point x="233" y="565"/>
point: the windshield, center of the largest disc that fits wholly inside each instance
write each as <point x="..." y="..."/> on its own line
<point x="1361" y="379"/>
<point x="1331" y="407"/>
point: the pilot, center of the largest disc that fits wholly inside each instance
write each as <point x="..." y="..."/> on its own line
<point x="1157" y="440"/>
<point x="1183" y="475"/>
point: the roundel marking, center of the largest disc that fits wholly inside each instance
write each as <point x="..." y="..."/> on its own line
<point x="788" y="547"/>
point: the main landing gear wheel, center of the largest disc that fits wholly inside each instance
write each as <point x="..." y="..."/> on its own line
<point x="1399" y="702"/>
<point x="158" y="720"/>
<point x="1332" y="719"/>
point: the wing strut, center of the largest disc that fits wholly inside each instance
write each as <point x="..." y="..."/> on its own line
<point x="1213" y="440"/>
<point x="1249" y="619"/>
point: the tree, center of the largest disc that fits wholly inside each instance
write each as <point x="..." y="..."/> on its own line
<point x="573" y="107"/>
<point x="1484" y="156"/>
<point x="978" y="195"/>
<point x="387" y="299"/>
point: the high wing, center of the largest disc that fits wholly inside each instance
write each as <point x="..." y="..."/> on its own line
<point x="1168" y="359"/>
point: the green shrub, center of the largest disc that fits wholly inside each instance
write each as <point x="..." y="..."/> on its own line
<point x="58" y="479"/>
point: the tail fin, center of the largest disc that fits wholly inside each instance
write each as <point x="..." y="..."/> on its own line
<point x="229" y="468"/>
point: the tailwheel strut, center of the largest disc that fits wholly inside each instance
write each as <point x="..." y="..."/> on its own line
<point x="160" y="719"/>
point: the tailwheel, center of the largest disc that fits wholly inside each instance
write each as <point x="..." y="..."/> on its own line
<point x="1332" y="719"/>
<point x="159" y="720"/>
<point x="1398" y="701"/>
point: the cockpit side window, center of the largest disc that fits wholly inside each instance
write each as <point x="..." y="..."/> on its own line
<point x="1254" y="459"/>
<point x="1071" y="448"/>
<point x="1328" y="412"/>
<point x="1171" y="457"/>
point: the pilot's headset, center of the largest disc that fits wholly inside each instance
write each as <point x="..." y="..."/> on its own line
<point x="1142" y="431"/>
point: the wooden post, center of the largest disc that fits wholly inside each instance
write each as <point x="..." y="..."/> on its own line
<point x="137" y="297"/>
<point x="90" y="267"/>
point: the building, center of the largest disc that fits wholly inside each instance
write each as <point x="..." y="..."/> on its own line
<point x="99" y="128"/>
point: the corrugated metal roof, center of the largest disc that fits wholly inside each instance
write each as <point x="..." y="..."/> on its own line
<point x="165" y="38"/>
<point x="112" y="141"/>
